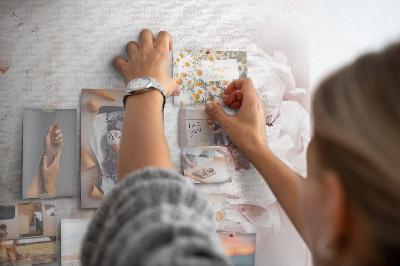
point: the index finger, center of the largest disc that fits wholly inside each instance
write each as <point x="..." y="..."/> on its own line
<point x="244" y="84"/>
<point x="55" y="127"/>
<point x="164" y="41"/>
<point x="243" y="90"/>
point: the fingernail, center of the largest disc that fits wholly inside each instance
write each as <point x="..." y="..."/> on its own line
<point x="179" y="90"/>
<point x="209" y="106"/>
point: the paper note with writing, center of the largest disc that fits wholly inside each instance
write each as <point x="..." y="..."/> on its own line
<point x="198" y="128"/>
<point x="219" y="70"/>
<point x="204" y="76"/>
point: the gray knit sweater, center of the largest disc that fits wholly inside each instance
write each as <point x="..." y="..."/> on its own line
<point x="153" y="217"/>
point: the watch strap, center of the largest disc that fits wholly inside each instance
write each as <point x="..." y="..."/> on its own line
<point x="154" y="86"/>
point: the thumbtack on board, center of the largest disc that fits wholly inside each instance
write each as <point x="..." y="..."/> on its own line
<point x="208" y="51"/>
<point x="232" y="234"/>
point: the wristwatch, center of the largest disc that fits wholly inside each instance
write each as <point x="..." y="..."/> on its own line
<point x="142" y="85"/>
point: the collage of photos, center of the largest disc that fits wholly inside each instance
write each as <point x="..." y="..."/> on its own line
<point x="102" y="114"/>
<point x="49" y="153"/>
<point x="28" y="229"/>
<point x="204" y="74"/>
<point x="28" y="233"/>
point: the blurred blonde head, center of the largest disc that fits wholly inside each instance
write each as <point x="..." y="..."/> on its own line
<point x="357" y="135"/>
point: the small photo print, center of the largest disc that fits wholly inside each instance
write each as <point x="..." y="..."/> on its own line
<point x="28" y="233"/>
<point x="72" y="233"/>
<point x="49" y="167"/>
<point x="198" y="128"/>
<point x="206" y="164"/>
<point x="204" y="74"/>
<point x="240" y="248"/>
<point x="102" y="114"/>
<point x="218" y="201"/>
<point x="36" y="219"/>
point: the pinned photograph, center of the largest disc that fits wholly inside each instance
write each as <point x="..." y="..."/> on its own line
<point x="72" y="233"/>
<point x="204" y="74"/>
<point x="198" y="128"/>
<point x="206" y="164"/>
<point x="102" y="114"/>
<point x="218" y="201"/>
<point x="28" y="234"/>
<point x="240" y="248"/>
<point x="36" y="219"/>
<point x="49" y="167"/>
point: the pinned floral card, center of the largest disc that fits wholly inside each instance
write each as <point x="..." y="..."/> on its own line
<point x="204" y="74"/>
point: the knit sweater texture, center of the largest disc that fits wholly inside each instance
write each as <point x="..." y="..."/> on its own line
<point x="153" y="217"/>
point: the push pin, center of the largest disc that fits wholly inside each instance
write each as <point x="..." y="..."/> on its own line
<point x="232" y="234"/>
<point x="208" y="51"/>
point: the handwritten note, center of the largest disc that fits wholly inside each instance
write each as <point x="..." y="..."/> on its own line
<point x="194" y="128"/>
<point x="219" y="70"/>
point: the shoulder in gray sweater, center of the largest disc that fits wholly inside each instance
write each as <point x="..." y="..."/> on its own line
<point x="153" y="217"/>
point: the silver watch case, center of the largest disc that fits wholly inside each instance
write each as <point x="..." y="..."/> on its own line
<point x="142" y="85"/>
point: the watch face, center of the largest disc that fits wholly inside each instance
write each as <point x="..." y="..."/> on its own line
<point x="140" y="83"/>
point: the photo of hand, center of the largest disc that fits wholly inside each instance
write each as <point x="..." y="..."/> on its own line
<point x="44" y="182"/>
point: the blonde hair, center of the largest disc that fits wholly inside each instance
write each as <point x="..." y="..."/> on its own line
<point x="357" y="134"/>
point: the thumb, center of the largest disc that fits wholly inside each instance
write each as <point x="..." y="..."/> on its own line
<point x="44" y="163"/>
<point x="177" y="91"/>
<point x="217" y="112"/>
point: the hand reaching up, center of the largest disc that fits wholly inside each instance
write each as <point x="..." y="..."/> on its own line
<point x="150" y="58"/>
<point x="247" y="129"/>
<point x="53" y="142"/>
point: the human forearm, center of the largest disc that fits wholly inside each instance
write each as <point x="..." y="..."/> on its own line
<point x="35" y="188"/>
<point x="143" y="140"/>
<point x="247" y="129"/>
<point x="282" y="180"/>
<point x="50" y="189"/>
